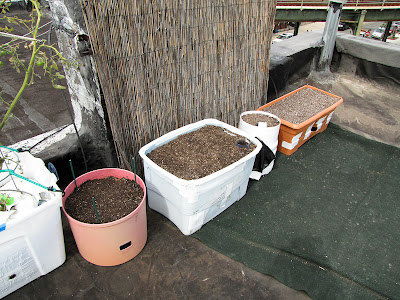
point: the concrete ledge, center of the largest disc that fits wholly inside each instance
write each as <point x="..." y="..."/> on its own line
<point x="290" y="59"/>
<point x="297" y="44"/>
<point x="368" y="49"/>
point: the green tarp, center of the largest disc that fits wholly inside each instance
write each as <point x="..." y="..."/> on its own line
<point x="325" y="220"/>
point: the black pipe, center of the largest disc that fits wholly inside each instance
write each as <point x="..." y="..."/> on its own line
<point x="387" y="31"/>
<point x="296" y="28"/>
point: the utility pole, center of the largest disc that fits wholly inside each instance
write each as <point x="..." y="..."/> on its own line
<point x="360" y="22"/>
<point x="329" y="35"/>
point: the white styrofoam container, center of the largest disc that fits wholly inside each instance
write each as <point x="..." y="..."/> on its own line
<point x="189" y="204"/>
<point x="31" y="247"/>
<point x="31" y="240"/>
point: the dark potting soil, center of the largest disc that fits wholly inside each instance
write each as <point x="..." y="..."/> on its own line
<point x="115" y="198"/>
<point x="301" y="106"/>
<point x="254" y="119"/>
<point x="200" y="153"/>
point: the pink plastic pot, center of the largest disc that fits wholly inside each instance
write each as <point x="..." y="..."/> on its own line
<point x="114" y="243"/>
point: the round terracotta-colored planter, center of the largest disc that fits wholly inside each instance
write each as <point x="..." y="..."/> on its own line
<point x="112" y="243"/>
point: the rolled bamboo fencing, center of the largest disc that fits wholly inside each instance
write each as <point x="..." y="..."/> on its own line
<point x="167" y="63"/>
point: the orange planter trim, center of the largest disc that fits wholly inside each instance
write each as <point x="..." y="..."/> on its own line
<point x="292" y="136"/>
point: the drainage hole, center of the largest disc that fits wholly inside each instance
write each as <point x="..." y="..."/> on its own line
<point x="124" y="246"/>
<point x="12" y="276"/>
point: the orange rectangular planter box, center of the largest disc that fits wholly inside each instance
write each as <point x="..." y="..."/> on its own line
<point x="292" y="136"/>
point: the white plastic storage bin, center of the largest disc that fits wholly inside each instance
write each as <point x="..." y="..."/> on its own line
<point x="31" y="240"/>
<point x="191" y="203"/>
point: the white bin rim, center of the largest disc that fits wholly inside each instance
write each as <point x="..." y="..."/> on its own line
<point x="189" y="128"/>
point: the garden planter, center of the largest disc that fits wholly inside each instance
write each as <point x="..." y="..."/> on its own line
<point x="31" y="236"/>
<point x="189" y="204"/>
<point x="292" y="135"/>
<point x="113" y="243"/>
<point x="267" y="133"/>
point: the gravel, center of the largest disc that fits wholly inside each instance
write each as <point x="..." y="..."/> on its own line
<point x="301" y="105"/>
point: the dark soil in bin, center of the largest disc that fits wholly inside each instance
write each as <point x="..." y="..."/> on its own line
<point x="302" y="105"/>
<point x="200" y="153"/>
<point x="254" y="119"/>
<point x="115" y="198"/>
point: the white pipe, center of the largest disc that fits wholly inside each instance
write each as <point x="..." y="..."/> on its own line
<point x="17" y="37"/>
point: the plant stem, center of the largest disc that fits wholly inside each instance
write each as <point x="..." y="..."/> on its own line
<point x="30" y="67"/>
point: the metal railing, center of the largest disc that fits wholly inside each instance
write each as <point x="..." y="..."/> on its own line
<point x="350" y="4"/>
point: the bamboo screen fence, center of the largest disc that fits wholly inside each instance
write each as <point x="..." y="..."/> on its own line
<point x="167" y="63"/>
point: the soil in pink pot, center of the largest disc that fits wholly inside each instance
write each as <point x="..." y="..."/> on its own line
<point x="114" y="198"/>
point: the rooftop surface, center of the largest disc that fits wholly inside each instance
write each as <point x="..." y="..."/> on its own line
<point x="174" y="266"/>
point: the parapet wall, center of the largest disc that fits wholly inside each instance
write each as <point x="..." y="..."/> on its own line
<point x="368" y="58"/>
<point x="295" y="58"/>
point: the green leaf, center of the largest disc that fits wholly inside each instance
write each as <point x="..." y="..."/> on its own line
<point x="12" y="20"/>
<point x="10" y="201"/>
<point x="60" y="76"/>
<point x="1" y="63"/>
<point x="59" y="87"/>
<point x="5" y="199"/>
<point x="9" y="30"/>
<point x="54" y="66"/>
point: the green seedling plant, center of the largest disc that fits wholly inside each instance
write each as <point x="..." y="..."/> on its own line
<point x="11" y="160"/>
<point x="38" y="57"/>
<point x="5" y="200"/>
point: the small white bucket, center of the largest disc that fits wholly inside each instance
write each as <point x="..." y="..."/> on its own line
<point x="268" y="135"/>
